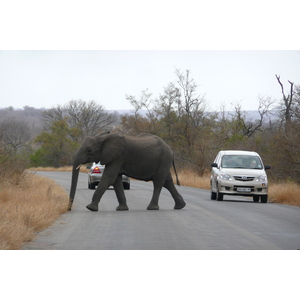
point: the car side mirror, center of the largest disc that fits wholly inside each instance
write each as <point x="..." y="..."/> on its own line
<point x="214" y="165"/>
<point x="267" y="167"/>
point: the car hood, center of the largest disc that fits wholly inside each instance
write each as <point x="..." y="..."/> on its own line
<point x="245" y="172"/>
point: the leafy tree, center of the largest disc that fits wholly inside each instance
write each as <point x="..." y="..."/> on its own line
<point x="57" y="146"/>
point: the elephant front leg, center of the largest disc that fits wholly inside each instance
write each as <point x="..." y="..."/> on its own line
<point x="119" y="190"/>
<point x="101" y="189"/>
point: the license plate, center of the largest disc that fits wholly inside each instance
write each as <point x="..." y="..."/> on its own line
<point x="248" y="190"/>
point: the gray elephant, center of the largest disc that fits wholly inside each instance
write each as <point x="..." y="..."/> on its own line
<point x="144" y="157"/>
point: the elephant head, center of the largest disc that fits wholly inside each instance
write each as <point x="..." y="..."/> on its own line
<point x="103" y="147"/>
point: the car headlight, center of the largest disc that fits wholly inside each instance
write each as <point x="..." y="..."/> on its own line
<point x="262" y="178"/>
<point x="224" y="176"/>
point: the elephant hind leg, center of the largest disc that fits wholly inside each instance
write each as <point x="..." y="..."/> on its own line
<point x="169" y="185"/>
<point x="119" y="190"/>
<point x="153" y="205"/>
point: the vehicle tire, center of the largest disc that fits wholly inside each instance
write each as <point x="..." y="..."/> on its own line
<point x="92" y="186"/>
<point x="264" y="199"/>
<point x="213" y="195"/>
<point x="126" y="186"/>
<point x="255" y="198"/>
<point x="220" y="196"/>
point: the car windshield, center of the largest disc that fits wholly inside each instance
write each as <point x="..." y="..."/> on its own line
<point x="241" y="162"/>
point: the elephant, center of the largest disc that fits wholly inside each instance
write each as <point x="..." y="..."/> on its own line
<point x="144" y="157"/>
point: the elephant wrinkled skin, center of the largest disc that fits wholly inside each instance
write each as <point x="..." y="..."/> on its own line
<point x="143" y="157"/>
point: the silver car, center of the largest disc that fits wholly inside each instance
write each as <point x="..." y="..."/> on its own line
<point x="239" y="173"/>
<point x="95" y="174"/>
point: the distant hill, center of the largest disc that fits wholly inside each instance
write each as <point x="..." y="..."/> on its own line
<point x="33" y="115"/>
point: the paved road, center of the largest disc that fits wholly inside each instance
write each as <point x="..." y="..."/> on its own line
<point x="235" y="223"/>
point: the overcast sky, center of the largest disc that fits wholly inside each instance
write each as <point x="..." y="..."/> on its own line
<point x="47" y="78"/>
<point x="54" y="73"/>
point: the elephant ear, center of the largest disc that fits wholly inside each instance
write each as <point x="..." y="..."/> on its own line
<point x="112" y="146"/>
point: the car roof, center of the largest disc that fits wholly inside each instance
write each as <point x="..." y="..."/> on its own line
<point x="238" y="152"/>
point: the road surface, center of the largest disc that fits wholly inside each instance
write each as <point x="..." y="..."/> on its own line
<point x="235" y="223"/>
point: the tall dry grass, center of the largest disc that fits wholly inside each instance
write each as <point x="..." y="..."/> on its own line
<point x="192" y="179"/>
<point x="285" y="193"/>
<point x="83" y="169"/>
<point x="28" y="207"/>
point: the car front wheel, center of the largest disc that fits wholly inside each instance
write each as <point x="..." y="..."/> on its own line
<point x="91" y="186"/>
<point x="255" y="198"/>
<point x="264" y="199"/>
<point x="219" y="196"/>
<point x="213" y="195"/>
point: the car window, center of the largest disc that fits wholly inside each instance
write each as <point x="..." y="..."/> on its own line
<point x="217" y="159"/>
<point x="241" y="162"/>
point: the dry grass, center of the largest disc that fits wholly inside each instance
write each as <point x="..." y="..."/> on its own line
<point x="285" y="193"/>
<point x="28" y="208"/>
<point x="83" y="169"/>
<point x="192" y="179"/>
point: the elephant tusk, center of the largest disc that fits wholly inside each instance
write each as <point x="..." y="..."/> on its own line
<point x="79" y="167"/>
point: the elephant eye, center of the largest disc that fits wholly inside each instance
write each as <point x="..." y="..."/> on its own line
<point x="89" y="150"/>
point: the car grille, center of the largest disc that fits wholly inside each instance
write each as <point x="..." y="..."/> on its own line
<point x="244" y="178"/>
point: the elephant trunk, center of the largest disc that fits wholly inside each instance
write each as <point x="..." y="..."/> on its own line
<point x="75" y="173"/>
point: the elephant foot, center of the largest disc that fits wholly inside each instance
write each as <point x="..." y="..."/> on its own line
<point x="180" y="206"/>
<point x="122" y="207"/>
<point x="152" y="207"/>
<point x="92" y="207"/>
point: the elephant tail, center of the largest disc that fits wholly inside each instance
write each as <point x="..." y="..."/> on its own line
<point x="177" y="180"/>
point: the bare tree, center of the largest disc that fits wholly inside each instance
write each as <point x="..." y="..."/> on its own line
<point x="51" y="115"/>
<point x="15" y="133"/>
<point x="165" y="108"/>
<point x="264" y="107"/>
<point x="146" y="103"/>
<point x="296" y="98"/>
<point x="288" y="102"/>
<point x="191" y="101"/>
<point x="88" y="117"/>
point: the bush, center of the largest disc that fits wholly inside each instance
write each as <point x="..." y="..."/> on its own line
<point x="12" y="166"/>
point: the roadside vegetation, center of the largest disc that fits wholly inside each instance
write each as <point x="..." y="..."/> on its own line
<point x="28" y="204"/>
<point x="35" y="139"/>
